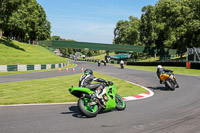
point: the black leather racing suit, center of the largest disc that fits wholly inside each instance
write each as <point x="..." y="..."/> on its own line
<point x="85" y="81"/>
<point x="162" y="71"/>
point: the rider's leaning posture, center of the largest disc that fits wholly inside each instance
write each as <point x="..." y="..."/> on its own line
<point x="161" y="70"/>
<point x="87" y="78"/>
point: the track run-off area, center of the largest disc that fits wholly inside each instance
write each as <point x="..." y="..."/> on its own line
<point x="164" y="112"/>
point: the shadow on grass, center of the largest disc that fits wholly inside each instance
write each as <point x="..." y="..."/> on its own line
<point x="11" y="44"/>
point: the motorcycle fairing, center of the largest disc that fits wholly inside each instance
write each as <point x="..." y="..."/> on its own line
<point x="110" y="93"/>
<point x="78" y="91"/>
<point x="163" y="77"/>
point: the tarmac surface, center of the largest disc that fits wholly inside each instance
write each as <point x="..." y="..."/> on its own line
<point x="166" y="112"/>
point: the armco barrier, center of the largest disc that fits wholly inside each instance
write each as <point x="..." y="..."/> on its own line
<point x="8" y="68"/>
<point x="195" y="65"/>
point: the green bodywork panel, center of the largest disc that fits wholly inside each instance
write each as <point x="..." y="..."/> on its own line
<point x="78" y="91"/>
<point x="111" y="92"/>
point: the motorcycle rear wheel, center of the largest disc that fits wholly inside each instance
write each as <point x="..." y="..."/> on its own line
<point x="86" y="108"/>
<point x="170" y="84"/>
<point x="120" y="104"/>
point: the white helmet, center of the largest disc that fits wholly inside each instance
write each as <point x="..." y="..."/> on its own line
<point x="159" y="66"/>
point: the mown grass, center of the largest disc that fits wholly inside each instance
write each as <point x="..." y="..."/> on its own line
<point x="177" y="70"/>
<point x="14" y="52"/>
<point x="55" y="90"/>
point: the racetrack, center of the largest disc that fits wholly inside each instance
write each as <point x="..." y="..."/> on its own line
<point x="166" y="112"/>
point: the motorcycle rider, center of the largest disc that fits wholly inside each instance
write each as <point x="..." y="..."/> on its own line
<point x="104" y="62"/>
<point x="87" y="78"/>
<point x="99" y="62"/>
<point x="161" y="70"/>
<point x="122" y="64"/>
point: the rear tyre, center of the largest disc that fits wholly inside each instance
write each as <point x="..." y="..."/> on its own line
<point x="86" y="108"/>
<point x="120" y="104"/>
<point x="170" y="84"/>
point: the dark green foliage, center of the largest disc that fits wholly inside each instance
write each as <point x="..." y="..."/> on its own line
<point x="127" y="32"/>
<point x="171" y="24"/>
<point x="24" y="20"/>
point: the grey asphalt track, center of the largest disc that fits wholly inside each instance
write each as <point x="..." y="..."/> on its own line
<point x="166" y="112"/>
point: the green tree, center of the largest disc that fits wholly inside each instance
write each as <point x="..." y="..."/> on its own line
<point x="127" y="32"/>
<point x="148" y="33"/>
<point x="24" y="20"/>
<point x="178" y="23"/>
<point x="6" y="9"/>
<point x="90" y="53"/>
<point x="43" y="30"/>
<point x="166" y="14"/>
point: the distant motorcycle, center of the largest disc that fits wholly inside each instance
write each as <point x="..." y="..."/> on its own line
<point x="169" y="80"/>
<point x="122" y="64"/>
<point x="99" y="63"/>
<point x="104" y="63"/>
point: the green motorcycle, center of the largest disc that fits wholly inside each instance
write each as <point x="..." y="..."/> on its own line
<point x="90" y="105"/>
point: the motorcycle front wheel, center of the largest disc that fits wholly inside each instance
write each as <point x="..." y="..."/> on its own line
<point x="170" y="84"/>
<point x="120" y="104"/>
<point x="86" y="108"/>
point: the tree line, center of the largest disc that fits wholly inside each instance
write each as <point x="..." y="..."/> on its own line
<point x="171" y="24"/>
<point x="23" y="20"/>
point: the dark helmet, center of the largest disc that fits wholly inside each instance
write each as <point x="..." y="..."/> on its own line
<point x="88" y="71"/>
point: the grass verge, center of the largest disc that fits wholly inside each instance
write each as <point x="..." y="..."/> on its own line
<point x="177" y="70"/>
<point x="55" y="90"/>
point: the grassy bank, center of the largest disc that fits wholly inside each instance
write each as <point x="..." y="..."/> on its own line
<point x="13" y="53"/>
<point x="54" y="90"/>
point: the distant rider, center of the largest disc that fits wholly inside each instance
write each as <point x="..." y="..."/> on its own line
<point x="99" y="62"/>
<point x="87" y="78"/>
<point x="104" y="62"/>
<point x="122" y="64"/>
